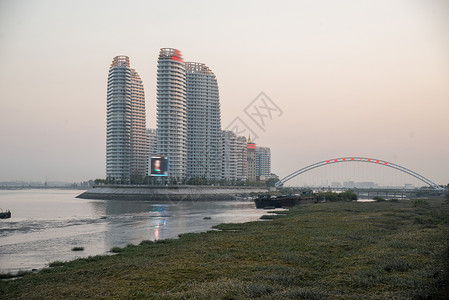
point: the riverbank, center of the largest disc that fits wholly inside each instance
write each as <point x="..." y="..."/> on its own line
<point x="170" y="193"/>
<point x="340" y="250"/>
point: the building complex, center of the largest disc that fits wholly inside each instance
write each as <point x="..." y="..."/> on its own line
<point x="188" y="129"/>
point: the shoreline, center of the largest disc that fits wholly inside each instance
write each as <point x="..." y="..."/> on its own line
<point x="170" y="193"/>
<point x="356" y="250"/>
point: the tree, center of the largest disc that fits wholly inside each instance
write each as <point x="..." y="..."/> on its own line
<point x="271" y="181"/>
<point x="330" y="196"/>
<point x="100" y="181"/>
<point x="348" y="196"/>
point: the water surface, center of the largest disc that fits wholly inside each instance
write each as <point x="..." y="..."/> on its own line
<point x="47" y="224"/>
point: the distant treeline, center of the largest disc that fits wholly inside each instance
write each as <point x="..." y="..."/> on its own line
<point x="149" y="180"/>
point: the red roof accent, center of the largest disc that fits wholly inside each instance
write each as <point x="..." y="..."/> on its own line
<point x="177" y="58"/>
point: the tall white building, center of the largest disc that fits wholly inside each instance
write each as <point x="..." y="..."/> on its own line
<point x="229" y="155"/>
<point x="263" y="162"/>
<point x="126" y="143"/>
<point x="203" y="122"/>
<point x="242" y="161"/>
<point x="234" y="160"/>
<point x="171" y="111"/>
<point x="152" y="141"/>
<point x="138" y="138"/>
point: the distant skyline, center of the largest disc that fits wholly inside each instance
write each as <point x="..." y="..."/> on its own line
<point x="367" y="78"/>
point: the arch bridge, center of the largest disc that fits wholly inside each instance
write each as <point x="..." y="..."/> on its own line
<point x="362" y="160"/>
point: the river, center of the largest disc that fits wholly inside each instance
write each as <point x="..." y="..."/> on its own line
<point x="46" y="224"/>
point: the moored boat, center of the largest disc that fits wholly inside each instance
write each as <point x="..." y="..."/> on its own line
<point x="284" y="201"/>
<point x="5" y="214"/>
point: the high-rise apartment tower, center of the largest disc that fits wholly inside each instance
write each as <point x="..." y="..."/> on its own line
<point x="251" y="159"/>
<point x="126" y="141"/>
<point x="263" y="162"/>
<point x="171" y="111"/>
<point x="203" y="122"/>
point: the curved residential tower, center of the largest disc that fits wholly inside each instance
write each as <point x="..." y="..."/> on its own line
<point x="139" y="140"/>
<point x="126" y="143"/>
<point x="171" y="111"/>
<point x="203" y="122"/>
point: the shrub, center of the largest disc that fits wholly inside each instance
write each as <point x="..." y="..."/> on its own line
<point x="344" y="196"/>
<point x="420" y="203"/>
<point x="146" y="242"/>
<point x="379" y="199"/>
<point x="348" y="196"/>
<point x="330" y="196"/>
<point x="116" y="250"/>
<point x="57" y="263"/>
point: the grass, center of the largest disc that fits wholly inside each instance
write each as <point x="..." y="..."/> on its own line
<point x="338" y="250"/>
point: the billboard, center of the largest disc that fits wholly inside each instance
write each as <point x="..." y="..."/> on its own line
<point x="159" y="166"/>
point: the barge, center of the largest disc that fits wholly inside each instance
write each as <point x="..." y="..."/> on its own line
<point x="267" y="201"/>
<point x="5" y="214"/>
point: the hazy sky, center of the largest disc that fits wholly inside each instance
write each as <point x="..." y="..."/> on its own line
<point x="368" y="78"/>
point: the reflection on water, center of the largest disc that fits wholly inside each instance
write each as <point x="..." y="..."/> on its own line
<point x="47" y="224"/>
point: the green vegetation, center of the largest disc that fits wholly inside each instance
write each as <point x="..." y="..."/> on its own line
<point x="116" y="250"/>
<point x="57" y="263"/>
<point x="343" y="196"/>
<point x="333" y="250"/>
<point x="151" y="180"/>
<point x="420" y="203"/>
<point x="379" y="199"/>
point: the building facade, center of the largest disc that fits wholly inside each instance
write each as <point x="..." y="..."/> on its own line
<point x="152" y="142"/>
<point x="263" y="163"/>
<point x="252" y="162"/>
<point x="242" y="161"/>
<point x="138" y="138"/>
<point x="126" y="149"/>
<point x="234" y="156"/>
<point x="203" y="122"/>
<point x="229" y="155"/>
<point x="171" y="111"/>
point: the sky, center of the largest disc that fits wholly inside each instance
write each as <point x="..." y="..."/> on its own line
<point x="362" y="78"/>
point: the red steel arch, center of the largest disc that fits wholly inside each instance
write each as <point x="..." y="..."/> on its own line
<point x="358" y="159"/>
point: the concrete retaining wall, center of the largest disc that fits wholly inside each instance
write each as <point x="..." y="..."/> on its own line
<point x="176" y="193"/>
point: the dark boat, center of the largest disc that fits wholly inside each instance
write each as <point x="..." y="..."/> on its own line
<point x="5" y="214"/>
<point x="284" y="201"/>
